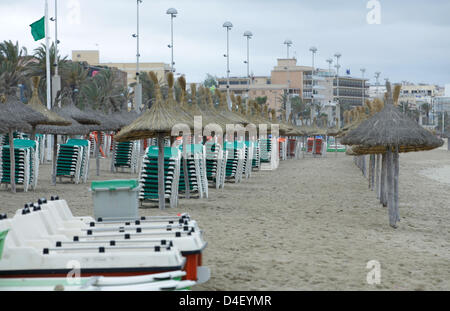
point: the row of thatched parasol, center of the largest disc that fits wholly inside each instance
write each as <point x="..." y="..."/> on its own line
<point x="34" y="117"/>
<point x="388" y="133"/>
<point x="170" y="118"/>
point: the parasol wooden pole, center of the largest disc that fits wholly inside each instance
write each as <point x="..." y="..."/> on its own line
<point x="383" y="180"/>
<point x="378" y="175"/>
<point x="185" y="169"/>
<point x="396" y="173"/>
<point x="12" y="161"/>
<point x="97" y="154"/>
<point x="33" y="133"/>
<point x="113" y="154"/>
<point x="161" y="184"/>
<point x="372" y="171"/>
<point x="55" y="153"/>
<point x="390" y="189"/>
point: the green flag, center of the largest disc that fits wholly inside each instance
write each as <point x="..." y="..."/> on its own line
<point x="38" y="29"/>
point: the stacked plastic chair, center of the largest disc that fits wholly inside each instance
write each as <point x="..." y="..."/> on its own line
<point x="196" y="166"/>
<point x="148" y="176"/>
<point x="265" y="150"/>
<point x="216" y="159"/>
<point x="126" y="155"/>
<point x="282" y="143"/>
<point x="26" y="163"/>
<point x="249" y="155"/>
<point x="256" y="160"/>
<point x="41" y="147"/>
<point x="235" y="160"/>
<point x="73" y="160"/>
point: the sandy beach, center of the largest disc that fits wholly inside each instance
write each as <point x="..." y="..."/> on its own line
<point x="312" y="224"/>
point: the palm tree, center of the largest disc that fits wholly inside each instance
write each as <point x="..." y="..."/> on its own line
<point x="101" y="92"/>
<point x="38" y="67"/>
<point x="426" y="108"/>
<point x="13" y="66"/>
<point x="73" y="76"/>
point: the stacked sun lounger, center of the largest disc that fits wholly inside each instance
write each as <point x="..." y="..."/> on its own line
<point x="282" y="143"/>
<point x="148" y="176"/>
<point x="248" y="161"/>
<point x="256" y="160"/>
<point x="26" y="163"/>
<point x="45" y="241"/>
<point x="126" y="155"/>
<point x="235" y="160"/>
<point x="216" y="158"/>
<point x="73" y="160"/>
<point x="265" y="150"/>
<point x="196" y="166"/>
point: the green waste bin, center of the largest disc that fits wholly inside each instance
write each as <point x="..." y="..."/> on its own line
<point x="115" y="199"/>
<point x="2" y="241"/>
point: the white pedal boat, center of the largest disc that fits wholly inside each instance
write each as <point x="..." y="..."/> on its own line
<point x="29" y="252"/>
<point x="179" y="231"/>
<point x="152" y="282"/>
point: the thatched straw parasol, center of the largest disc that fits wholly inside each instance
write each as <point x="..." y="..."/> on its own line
<point x="204" y="106"/>
<point x="161" y="120"/>
<point x="14" y="115"/>
<point x="390" y="132"/>
<point x="35" y="103"/>
<point x="80" y="121"/>
<point x="225" y="111"/>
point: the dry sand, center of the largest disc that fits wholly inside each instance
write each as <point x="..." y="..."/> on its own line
<point x="310" y="225"/>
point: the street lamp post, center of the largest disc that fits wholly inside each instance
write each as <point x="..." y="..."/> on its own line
<point x="313" y="51"/>
<point x="338" y="108"/>
<point x="173" y="13"/>
<point x="377" y="77"/>
<point x="363" y="70"/>
<point x="228" y="26"/>
<point x="329" y="61"/>
<point x="138" y="88"/>
<point x="249" y="35"/>
<point x="288" y="45"/>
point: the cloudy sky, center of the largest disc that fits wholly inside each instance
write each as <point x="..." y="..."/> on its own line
<point x="412" y="42"/>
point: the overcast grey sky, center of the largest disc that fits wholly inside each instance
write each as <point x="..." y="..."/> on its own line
<point x="411" y="43"/>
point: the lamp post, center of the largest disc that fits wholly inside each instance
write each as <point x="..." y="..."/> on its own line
<point x="329" y="61"/>
<point x="313" y="51"/>
<point x="377" y="83"/>
<point x="138" y="88"/>
<point x="363" y="70"/>
<point x="228" y="26"/>
<point x="249" y="35"/>
<point x="173" y="13"/>
<point x="338" y="108"/>
<point x="56" y="79"/>
<point x="288" y="45"/>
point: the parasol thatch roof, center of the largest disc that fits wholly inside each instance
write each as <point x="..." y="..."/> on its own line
<point x="35" y="103"/>
<point x="18" y="116"/>
<point x="226" y="113"/>
<point x="107" y="121"/>
<point x="79" y="119"/>
<point x="160" y="119"/>
<point x="69" y="110"/>
<point x="390" y="128"/>
<point x="74" y="129"/>
<point x="207" y="110"/>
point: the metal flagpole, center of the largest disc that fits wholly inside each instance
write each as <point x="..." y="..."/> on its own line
<point x="48" y="76"/>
